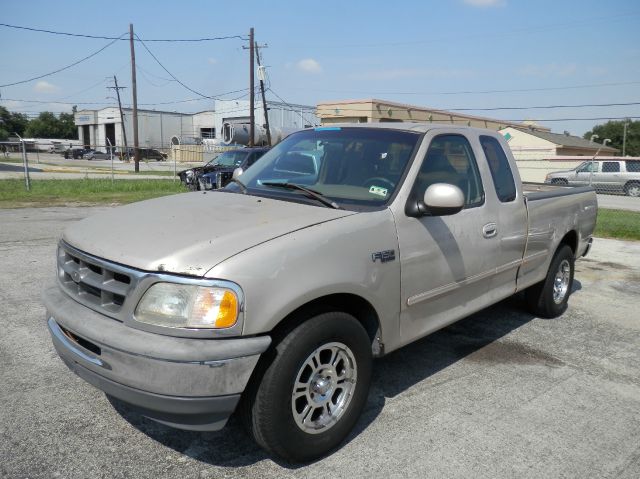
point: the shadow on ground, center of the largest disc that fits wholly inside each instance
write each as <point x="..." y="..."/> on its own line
<point x="18" y="168"/>
<point x="477" y="335"/>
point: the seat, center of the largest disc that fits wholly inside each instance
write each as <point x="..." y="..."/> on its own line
<point x="437" y="169"/>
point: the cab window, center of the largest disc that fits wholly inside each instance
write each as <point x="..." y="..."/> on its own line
<point x="500" y="170"/>
<point x="450" y="160"/>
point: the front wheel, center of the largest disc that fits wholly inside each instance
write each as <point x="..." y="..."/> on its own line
<point x="314" y="390"/>
<point x="549" y="298"/>
<point x="632" y="189"/>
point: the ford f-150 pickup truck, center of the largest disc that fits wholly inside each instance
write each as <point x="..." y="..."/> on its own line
<point x="271" y="296"/>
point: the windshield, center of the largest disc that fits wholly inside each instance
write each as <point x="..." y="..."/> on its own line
<point x="229" y="158"/>
<point x="351" y="166"/>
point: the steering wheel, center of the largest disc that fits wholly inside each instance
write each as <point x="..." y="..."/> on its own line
<point x="378" y="179"/>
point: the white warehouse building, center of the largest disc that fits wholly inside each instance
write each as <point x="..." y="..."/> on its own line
<point x="157" y="128"/>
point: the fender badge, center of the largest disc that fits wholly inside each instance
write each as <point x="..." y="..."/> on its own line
<point x="384" y="256"/>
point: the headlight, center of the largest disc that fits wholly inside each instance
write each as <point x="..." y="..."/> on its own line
<point x="187" y="306"/>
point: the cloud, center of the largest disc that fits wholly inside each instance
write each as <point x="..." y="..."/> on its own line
<point x="309" y="65"/>
<point x="45" y="87"/>
<point x="486" y="3"/>
<point x="212" y="61"/>
<point x="549" y="70"/>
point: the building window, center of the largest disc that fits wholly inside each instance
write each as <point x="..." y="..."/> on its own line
<point x="207" y="132"/>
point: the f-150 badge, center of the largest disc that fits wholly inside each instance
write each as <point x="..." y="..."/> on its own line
<point x="383" y="256"/>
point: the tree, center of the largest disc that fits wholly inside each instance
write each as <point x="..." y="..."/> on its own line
<point x="11" y="123"/>
<point x="47" y="125"/>
<point x="68" y="127"/>
<point x="614" y="130"/>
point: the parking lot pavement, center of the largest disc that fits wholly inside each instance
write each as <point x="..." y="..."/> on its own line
<point x="618" y="202"/>
<point x="501" y="394"/>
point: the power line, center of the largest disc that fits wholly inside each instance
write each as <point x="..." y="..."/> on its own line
<point x="100" y="37"/>
<point x="64" y="68"/>
<point x="292" y="108"/>
<point x="546" y="107"/>
<point x="438" y="110"/>
<point x="485" y="34"/>
<point x="474" y="92"/>
<point x="172" y="75"/>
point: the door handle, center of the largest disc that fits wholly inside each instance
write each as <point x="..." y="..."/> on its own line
<point x="490" y="230"/>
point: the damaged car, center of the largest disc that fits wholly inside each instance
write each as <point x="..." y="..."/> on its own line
<point x="217" y="172"/>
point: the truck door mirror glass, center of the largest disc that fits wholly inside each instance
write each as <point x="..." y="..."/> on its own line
<point x="443" y="199"/>
<point x="237" y="172"/>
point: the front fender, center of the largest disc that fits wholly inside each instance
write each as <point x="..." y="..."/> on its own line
<point x="335" y="257"/>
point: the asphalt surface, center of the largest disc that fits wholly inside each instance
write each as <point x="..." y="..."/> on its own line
<point x="501" y="394"/>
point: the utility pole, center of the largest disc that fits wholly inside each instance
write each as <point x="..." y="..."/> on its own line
<point x="252" y="118"/>
<point x="136" y="151"/>
<point x="124" y="131"/>
<point x="261" y="77"/>
<point x="624" y="137"/>
<point x="25" y="162"/>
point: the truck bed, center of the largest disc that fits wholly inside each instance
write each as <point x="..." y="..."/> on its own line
<point x="541" y="191"/>
<point x="553" y="211"/>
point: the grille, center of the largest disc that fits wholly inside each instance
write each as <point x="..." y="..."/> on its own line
<point x="97" y="283"/>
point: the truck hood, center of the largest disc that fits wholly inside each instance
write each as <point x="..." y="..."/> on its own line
<point x="192" y="232"/>
<point x="559" y="172"/>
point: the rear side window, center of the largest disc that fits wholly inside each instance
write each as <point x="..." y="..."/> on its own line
<point x="610" y="167"/>
<point x="633" y="166"/>
<point x="500" y="169"/>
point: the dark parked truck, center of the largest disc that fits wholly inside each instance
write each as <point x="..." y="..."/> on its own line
<point x="270" y="297"/>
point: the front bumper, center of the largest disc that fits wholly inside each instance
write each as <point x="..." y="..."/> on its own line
<point x="183" y="382"/>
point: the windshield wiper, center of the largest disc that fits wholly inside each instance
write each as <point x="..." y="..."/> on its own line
<point x="312" y="193"/>
<point x="243" y="187"/>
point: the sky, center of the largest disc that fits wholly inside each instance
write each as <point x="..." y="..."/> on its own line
<point x="446" y="54"/>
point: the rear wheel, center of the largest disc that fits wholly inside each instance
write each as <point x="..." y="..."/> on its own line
<point x="314" y="390"/>
<point x="549" y="298"/>
<point x="632" y="189"/>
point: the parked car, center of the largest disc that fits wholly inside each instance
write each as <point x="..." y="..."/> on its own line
<point x="613" y="176"/>
<point x="76" y="153"/>
<point x="272" y="295"/>
<point x="219" y="170"/>
<point x="99" y="155"/>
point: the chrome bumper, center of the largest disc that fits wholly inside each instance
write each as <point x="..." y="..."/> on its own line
<point x="183" y="382"/>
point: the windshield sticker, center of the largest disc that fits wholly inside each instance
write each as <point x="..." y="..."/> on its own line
<point x="379" y="191"/>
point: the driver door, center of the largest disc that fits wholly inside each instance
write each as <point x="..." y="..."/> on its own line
<point x="446" y="261"/>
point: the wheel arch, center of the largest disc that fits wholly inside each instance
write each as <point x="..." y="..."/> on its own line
<point x="349" y="303"/>
<point x="571" y="240"/>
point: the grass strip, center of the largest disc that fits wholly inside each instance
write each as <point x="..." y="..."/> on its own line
<point x="619" y="224"/>
<point x="83" y="192"/>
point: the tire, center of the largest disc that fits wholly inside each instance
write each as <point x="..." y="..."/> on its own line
<point x="549" y="298"/>
<point x="632" y="189"/>
<point x="315" y="355"/>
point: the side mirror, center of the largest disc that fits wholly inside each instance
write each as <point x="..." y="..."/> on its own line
<point x="440" y="199"/>
<point x="443" y="199"/>
<point x="237" y="172"/>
